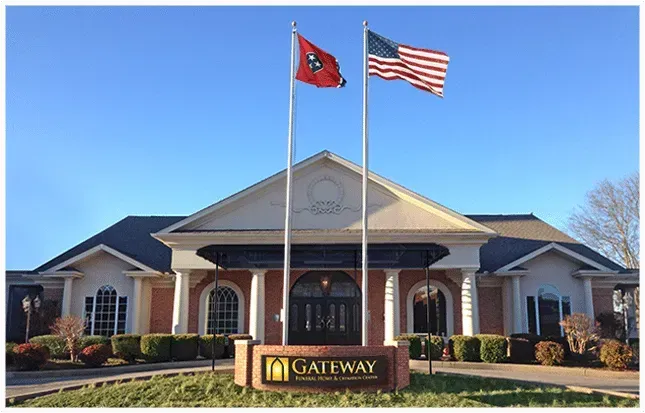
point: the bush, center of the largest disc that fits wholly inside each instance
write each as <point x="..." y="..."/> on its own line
<point x="184" y="347"/>
<point x="635" y="353"/>
<point x="615" y="355"/>
<point x="549" y="353"/>
<point x="610" y="325"/>
<point x="87" y="341"/>
<point x="465" y="348"/>
<point x="580" y="331"/>
<point x="95" y="355"/>
<point x="156" y="347"/>
<point x="230" y="346"/>
<point x="492" y="348"/>
<point x="55" y="345"/>
<point x="436" y="347"/>
<point x="521" y="350"/>
<point x="126" y="346"/>
<point x="415" y="344"/>
<point x="30" y="356"/>
<point x="9" y="352"/>
<point x="206" y="346"/>
<point x="70" y="328"/>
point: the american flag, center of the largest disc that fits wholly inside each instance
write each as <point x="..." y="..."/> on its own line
<point x="423" y="68"/>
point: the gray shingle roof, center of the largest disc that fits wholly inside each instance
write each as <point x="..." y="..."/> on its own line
<point x="519" y="235"/>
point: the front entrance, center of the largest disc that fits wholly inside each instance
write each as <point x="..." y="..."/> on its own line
<point x="325" y="309"/>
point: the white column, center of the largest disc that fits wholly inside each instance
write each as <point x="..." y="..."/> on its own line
<point x="586" y="283"/>
<point x="256" y="310"/>
<point x="469" y="303"/>
<point x="180" y="302"/>
<point x="517" y="305"/>
<point x="137" y="305"/>
<point x="392" y="311"/>
<point x="66" y="307"/>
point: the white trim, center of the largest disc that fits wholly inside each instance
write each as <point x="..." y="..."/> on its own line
<point x="94" y="250"/>
<point x="593" y="273"/>
<point x="116" y="314"/>
<point x="93" y="314"/>
<point x="203" y="299"/>
<point x="402" y="192"/>
<point x="450" y="309"/>
<point x="550" y="247"/>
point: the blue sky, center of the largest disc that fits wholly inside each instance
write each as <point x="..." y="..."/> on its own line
<point x="162" y="111"/>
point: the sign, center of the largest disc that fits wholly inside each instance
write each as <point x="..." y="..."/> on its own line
<point x="324" y="371"/>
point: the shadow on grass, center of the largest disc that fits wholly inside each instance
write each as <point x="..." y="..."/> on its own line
<point x="534" y="398"/>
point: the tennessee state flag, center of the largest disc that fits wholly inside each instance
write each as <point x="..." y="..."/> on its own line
<point x="318" y="67"/>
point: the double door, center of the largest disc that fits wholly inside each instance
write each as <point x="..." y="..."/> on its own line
<point x="325" y="321"/>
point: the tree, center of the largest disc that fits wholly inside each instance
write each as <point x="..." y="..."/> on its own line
<point x="608" y="221"/>
<point x="70" y="328"/>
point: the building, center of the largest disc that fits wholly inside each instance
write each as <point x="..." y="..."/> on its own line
<point x="503" y="274"/>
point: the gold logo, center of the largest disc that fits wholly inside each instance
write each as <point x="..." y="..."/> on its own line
<point x="277" y="368"/>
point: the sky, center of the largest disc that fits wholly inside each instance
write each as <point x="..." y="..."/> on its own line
<point x="120" y="111"/>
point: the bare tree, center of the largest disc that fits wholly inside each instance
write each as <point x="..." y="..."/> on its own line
<point x="70" y="328"/>
<point x="608" y="221"/>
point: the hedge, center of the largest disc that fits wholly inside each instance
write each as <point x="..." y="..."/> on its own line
<point x="126" y="346"/>
<point x="615" y="354"/>
<point x="156" y="347"/>
<point x="95" y="355"/>
<point x="184" y="347"/>
<point x="206" y="346"/>
<point x="87" y="341"/>
<point x="521" y="350"/>
<point x="9" y="352"/>
<point x="436" y="344"/>
<point x="55" y="345"/>
<point x="415" y="344"/>
<point x="30" y="356"/>
<point x="492" y="348"/>
<point x="465" y="348"/>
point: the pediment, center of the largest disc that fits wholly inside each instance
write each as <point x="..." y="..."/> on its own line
<point x="327" y="196"/>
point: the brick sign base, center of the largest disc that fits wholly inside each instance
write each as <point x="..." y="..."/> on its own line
<point x="319" y="369"/>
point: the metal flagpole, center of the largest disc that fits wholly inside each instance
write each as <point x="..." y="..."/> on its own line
<point x="428" y="344"/>
<point x="287" y="219"/>
<point x="365" y="172"/>
<point x="214" y="311"/>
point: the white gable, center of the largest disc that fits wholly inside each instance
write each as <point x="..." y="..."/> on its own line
<point x="327" y="195"/>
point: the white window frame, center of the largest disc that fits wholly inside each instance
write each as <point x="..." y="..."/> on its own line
<point x="203" y="306"/>
<point x="549" y="289"/>
<point x="116" y="315"/>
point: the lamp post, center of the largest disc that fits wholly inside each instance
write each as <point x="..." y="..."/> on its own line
<point x="27" y="305"/>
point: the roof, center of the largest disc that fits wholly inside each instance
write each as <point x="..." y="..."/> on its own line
<point x="519" y="235"/>
<point x="522" y="234"/>
<point x="131" y="237"/>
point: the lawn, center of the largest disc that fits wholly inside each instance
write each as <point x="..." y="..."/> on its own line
<point x="218" y="390"/>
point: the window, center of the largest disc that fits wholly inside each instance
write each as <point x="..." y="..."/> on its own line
<point x="546" y="312"/>
<point x="106" y="313"/>
<point x="227" y="311"/>
<point x="437" y="304"/>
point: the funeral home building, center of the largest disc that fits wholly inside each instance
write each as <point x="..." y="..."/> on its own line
<point x="489" y="273"/>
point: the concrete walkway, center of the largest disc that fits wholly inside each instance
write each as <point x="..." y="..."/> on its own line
<point x="627" y="384"/>
<point x="20" y="387"/>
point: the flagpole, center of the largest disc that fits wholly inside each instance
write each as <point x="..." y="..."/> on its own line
<point x="288" y="207"/>
<point x="365" y="173"/>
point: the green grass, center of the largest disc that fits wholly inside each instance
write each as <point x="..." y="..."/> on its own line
<point x="218" y="390"/>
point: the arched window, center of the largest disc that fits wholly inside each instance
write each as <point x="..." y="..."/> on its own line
<point x="106" y="312"/>
<point x="228" y="311"/>
<point x="437" y="304"/>
<point x="545" y="313"/>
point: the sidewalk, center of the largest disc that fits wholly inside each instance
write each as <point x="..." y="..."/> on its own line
<point x="608" y="381"/>
<point x="20" y="387"/>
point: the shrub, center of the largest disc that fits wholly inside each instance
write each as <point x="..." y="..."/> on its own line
<point x="465" y="348"/>
<point x="635" y="352"/>
<point x="230" y="346"/>
<point x="87" y="341"/>
<point x="55" y="344"/>
<point x="30" y="356"/>
<point x="415" y="344"/>
<point x="580" y="332"/>
<point x="156" y="347"/>
<point x="521" y="350"/>
<point x="549" y="353"/>
<point x="70" y="328"/>
<point x="492" y="348"/>
<point x="126" y="346"/>
<point x="436" y="347"/>
<point x="610" y="325"/>
<point x="184" y="347"/>
<point x="615" y="355"/>
<point x="9" y="351"/>
<point x="95" y="355"/>
<point x="206" y="346"/>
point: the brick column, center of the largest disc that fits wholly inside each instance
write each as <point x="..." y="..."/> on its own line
<point x="244" y="362"/>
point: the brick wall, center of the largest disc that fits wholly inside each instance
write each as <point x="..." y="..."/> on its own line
<point x="602" y="300"/>
<point x="161" y="310"/>
<point x="491" y="311"/>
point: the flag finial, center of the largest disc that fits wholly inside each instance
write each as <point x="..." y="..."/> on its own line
<point x="293" y="23"/>
<point x="365" y="23"/>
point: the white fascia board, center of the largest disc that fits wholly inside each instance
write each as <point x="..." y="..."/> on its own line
<point x="142" y="274"/>
<point x="553" y="247"/>
<point x="94" y="250"/>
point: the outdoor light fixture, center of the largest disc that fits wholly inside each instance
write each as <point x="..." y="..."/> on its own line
<point x="27" y="305"/>
<point x="325" y="284"/>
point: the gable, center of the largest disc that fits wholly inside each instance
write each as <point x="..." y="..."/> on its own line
<point x="327" y="195"/>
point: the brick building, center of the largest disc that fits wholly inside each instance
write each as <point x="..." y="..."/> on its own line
<point x="502" y="274"/>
